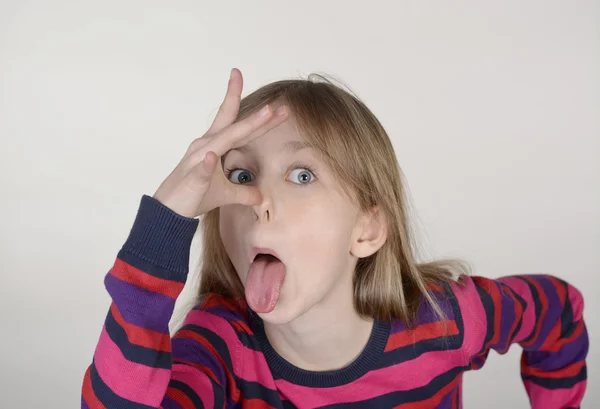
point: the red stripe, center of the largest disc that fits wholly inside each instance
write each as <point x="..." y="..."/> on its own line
<point x="435" y="288"/>
<point x="564" y="341"/>
<point x="139" y="278"/>
<point x="181" y="398"/>
<point x="566" y="372"/>
<point x="141" y="336"/>
<point x="243" y="327"/>
<point x="217" y="300"/>
<point x="455" y="401"/>
<point x="422" y="332"/>
<point x="236" y="326"/>
<point x="88" y="393"/>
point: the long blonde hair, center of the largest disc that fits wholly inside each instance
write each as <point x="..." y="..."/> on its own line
<point x="388" y="284"/>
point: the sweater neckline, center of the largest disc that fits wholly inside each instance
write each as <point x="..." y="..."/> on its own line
<point x="282" y="369"/>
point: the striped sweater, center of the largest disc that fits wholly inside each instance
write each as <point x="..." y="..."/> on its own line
<point x="221" y="358"/>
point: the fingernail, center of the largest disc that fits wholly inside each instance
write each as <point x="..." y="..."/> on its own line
<point x="264" y="111"/>
<point x="281" y="110"/>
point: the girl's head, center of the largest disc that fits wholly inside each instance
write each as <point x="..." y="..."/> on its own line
<point x="333" y="210"/>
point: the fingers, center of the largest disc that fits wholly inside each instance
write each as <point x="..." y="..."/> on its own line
<point x="228" y="137"/>
<point x="230" y="106"/>
<point x="222" y="141"/>
<point x="280" y="115"/>
<point x="243" y="132"/>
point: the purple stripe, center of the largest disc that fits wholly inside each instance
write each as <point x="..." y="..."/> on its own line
<point x="426" y="314"/>
<point x="553" y="313"/>
<point x="478" y="361"/>
<point x="507" y="317"/>
<point x="187" y="349"/>
<point x="447" y="400"/>
<point x="83" y="404"/>
<point x="575" y="351"/>
<point x="169" y="403"/>
<point x="231" y="404"/>
<point x="139" y="306"/>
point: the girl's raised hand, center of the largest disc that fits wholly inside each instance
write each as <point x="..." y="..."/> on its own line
<point x="198" y="184"/>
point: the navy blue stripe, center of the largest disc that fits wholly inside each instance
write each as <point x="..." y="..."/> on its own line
<point x="567" y="327"/>
<point x="108" y="397"/>
<point x="254" y="390"/>
<point x="249" y="341"/>
<point x="287" y="404"/>
<point x="135" y="353"/>
<point x="159" y="241"/>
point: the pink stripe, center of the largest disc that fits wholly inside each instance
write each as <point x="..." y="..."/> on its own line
<point x="576" y="300"/>
<point x="401" y="377"/>
<point x="521" y="288"/>
<point x="473" y="315"/>
<point x="130" y="380"/>
<point x="255" y="368"/>
<point x="196" y="380"/>
<point x="542" y="398"/>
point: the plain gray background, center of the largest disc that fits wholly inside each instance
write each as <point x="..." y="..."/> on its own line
<point x="493" y="108"/>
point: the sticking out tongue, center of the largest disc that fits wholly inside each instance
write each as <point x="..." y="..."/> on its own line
<point x="263" y="283"/>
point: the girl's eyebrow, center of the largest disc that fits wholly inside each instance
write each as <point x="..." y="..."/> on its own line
<point x="288" y="147"/>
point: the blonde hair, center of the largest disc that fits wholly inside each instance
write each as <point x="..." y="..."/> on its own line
<point x="388" y="284"/>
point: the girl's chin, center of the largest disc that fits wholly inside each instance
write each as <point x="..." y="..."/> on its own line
<point x="283" y="313"/>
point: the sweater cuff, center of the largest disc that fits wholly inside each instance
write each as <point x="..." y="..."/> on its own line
<point x="161" y="237"/>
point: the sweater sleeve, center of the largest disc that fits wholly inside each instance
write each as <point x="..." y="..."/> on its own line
<point x="136" y="364"/>
<point x="544" y="315"/>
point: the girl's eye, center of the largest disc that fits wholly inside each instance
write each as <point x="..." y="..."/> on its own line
<point x="239" y="176"/>
<point x="301" y="176"/>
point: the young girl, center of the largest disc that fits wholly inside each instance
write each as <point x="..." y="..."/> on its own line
<point x="310" y="294"/>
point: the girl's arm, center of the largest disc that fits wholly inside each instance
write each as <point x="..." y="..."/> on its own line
<point x="136" y="364"/>
<point x="543" y="314"/>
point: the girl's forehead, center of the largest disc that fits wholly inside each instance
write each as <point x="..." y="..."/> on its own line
<point x="285" y="138"/>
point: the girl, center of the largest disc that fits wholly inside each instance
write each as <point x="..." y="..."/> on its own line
<point x="310" y="295"/>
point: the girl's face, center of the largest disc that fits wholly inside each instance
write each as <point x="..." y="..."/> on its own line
<point x="304" y="217"/>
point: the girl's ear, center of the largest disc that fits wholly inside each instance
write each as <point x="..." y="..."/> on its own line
<point x="371" y="233"/>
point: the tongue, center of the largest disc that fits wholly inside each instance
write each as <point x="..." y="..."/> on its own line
<point x="263" y="284"/>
